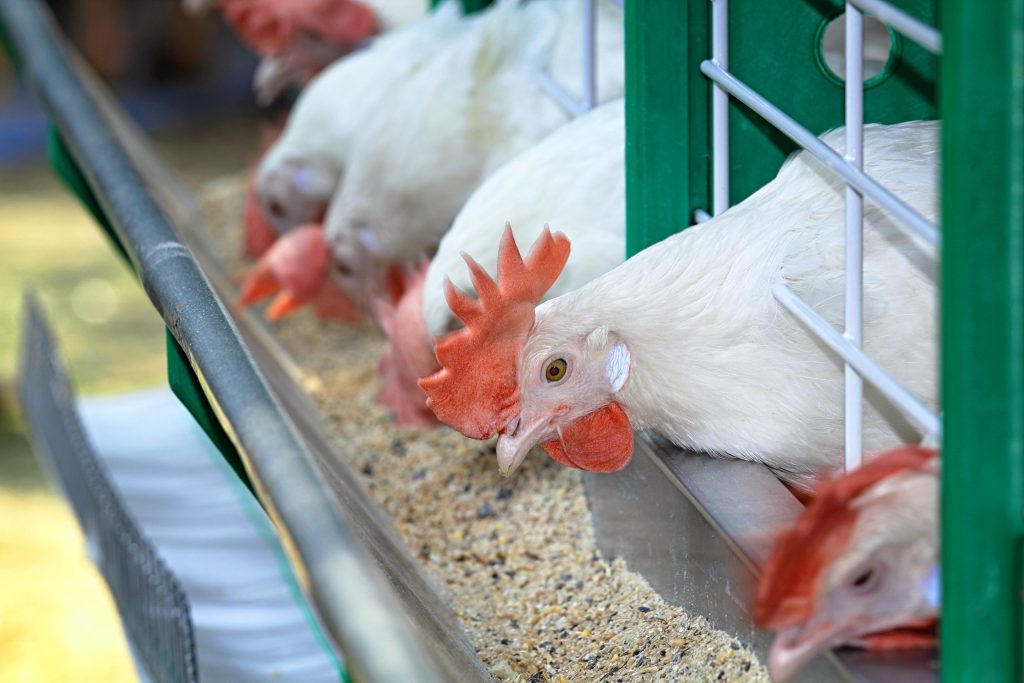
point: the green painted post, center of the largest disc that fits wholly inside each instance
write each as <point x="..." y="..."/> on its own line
<point x="468" y="6"/>
<point x="982" y="104"/>
<point x="666" y="170"/>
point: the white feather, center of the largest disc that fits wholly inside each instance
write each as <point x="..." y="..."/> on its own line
<point x="442" y="131"/>
<point x="573" y="180"/>
<point x="719" y="366"/>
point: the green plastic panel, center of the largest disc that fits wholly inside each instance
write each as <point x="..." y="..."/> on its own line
<point x="468" y="6"/>
<point x="778" y="54"/>
<point x="773" y="47"/>
<point x="982" y="105"/>
<point x="666" y="169"/>
<point x="180" y="375"/>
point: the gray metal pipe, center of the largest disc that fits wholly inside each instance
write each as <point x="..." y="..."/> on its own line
<point x="352" y="597"/>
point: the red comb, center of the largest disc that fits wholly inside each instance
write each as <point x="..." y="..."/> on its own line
<point x="259" y="236"/>
<point x="296" y="268"/>
<point x="269" y="26"/>
<point x="409" y="355"/>
<point x="477" y="389"/>
<point x="786" y="592"/>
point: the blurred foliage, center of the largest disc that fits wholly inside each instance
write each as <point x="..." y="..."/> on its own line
<point x="57" y="620"/>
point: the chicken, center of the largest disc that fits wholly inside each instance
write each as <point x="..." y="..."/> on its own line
<point x="296" y="269"/>
<point x="574" y="179"/>
<point x="298" y="175"/>
<point x="295" y="38"/>
<point x="687" y="339"/>
<point x="473" y="107"/>
<point x="860" y="567"/>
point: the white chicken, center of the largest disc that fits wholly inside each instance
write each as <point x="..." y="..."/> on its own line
<point x="471" y="108"/>
<point x="686" y="338"/>
<point x="860" y="566"/>
<point x="574" y="180"/>
<point x="298" y="38"/>
<point x="298" y="175"/>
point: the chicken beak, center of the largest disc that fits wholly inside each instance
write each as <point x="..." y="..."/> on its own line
<point x="796" y="645"/>
<point x="516" y="440"/>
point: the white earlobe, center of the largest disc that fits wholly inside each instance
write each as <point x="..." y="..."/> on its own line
<point x="368" y="238"/>
<point x="616" y="368"/>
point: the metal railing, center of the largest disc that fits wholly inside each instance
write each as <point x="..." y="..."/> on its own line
<point x="858" y="366"/>
<point x="588" y="76"/>
<point x="149" y="598"/>
<point x="354" y="601"/>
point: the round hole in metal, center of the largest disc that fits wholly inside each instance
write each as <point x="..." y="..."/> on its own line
<point x="880" y="50"/>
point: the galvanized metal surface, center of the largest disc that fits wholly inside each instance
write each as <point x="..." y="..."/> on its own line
<point x="419" y="600"/>
<point x="698" y="527"/>
<point x="983" y="340"/>
<point x="357" y="604"/>
<point x="152" y="605"/>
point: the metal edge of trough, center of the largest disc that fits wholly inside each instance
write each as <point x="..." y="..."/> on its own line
<point x="698" y="528"/>
<point x="362" y="607"/>
<point x="419" y="598"/>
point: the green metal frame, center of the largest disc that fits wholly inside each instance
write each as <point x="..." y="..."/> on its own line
<point x="982" y="339"/>
<point x="982" y="105"/>
<point x="468" y="6"/>
<point x="668" y="100"/>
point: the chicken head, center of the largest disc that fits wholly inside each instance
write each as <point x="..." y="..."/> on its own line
<point x="859" y="567"/>
<point x="501" y="376"/>
<point x="297" y="270"/>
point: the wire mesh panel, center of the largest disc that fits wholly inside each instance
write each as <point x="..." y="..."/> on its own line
<point x="153" y="607"/>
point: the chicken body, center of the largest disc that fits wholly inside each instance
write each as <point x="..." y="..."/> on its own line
<point x="473" y="107"/>
<point x="298" y="175"/>
<point x="860" y="566"/>
<point x="686" y="338"/>
<point x="573" y="180"/>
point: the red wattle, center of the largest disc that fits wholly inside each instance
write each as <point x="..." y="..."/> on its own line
<point x="601" y="441"/>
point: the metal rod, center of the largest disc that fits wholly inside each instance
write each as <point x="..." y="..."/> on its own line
<point x="896" y="393"/>
<point x="720" y="108"/>
<point x="853" y="423"/>
<point x="560" y="95"/>
<point x="867" y="185"/>
<point x="589" y="55"/>
<point x="355" y="602"/>
<point x="918" y="31"/>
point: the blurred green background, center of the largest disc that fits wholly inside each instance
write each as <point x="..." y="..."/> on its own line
<point x="189" y="88"/>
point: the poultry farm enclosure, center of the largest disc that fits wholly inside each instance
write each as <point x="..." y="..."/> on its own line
<point x="691" y="526"/>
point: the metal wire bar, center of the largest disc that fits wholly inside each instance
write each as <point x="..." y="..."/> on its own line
<point x="864" y="183"/>
<point x="356" y="603"/>
<point x="918" y="31"/>
<point x="853" y="412"/>
<point x="572" y="106"/>
<point x="895" y="392"/>
<point x="720" y="108"/>
<point x="589" y="54"/>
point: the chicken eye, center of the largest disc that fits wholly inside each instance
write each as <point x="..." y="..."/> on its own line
<point x="865" y="581"/>
<point x="555" y="370"/>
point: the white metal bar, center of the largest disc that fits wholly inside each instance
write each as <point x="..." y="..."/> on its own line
<point x="720" y="108"/>
<point x="589" y="55"/>
<point x="854" y="280"/>
<point x="915" y="29"/>
<point x="867" y="185"/>
<point x="560" y="95"/>
<point x="896" y="393"/>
